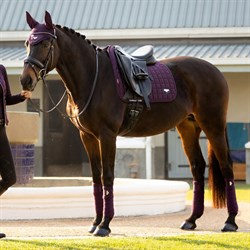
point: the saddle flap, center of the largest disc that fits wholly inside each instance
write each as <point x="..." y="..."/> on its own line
<point x="126" y="68"/>
<point x="135" y="74"/>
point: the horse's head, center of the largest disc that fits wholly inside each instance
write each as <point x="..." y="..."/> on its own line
<point x="41" y="51"/>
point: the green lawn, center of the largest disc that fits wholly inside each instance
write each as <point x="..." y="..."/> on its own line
<point x="214" y="241"/>
<point x="219" y="241"/>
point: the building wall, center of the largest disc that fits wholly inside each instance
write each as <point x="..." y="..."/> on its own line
<point x="239" y="99"/>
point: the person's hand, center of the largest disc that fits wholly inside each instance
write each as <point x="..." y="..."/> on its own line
<point x="26" y="94"/>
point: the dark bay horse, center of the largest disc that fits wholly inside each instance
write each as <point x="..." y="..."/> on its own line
<point x="96" y="110"/>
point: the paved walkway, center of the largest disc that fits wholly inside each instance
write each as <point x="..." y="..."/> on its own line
<point x="160" y="225"/>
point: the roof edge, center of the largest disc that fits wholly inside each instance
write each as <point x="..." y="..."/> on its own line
<point x="103" y="34"/>
<point x="225" y="65"/>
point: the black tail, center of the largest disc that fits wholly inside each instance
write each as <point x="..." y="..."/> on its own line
<point x="216" y="179"/>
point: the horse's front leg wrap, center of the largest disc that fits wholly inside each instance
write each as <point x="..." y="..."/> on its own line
<point x="103" y="229"/>
<point x="108" y="202"/>
<point x="98" y="196"/>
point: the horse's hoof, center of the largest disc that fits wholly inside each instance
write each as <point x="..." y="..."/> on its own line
<point x="92" y="229"/>
<point x="2" y="235"/>
<point x="102" y="232"/>
<point x="229" y="227"/>
<point x="186" y="225"/>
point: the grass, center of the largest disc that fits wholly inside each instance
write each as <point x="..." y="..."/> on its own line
<point x="219" y="241"/>
<point x="214" y="241"/>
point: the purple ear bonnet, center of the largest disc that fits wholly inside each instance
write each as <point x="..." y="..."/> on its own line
<point x="40" y="31"/>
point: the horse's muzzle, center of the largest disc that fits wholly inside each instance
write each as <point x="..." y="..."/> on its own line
<point x="28" y="78"/>
<point x="27" y="82"/>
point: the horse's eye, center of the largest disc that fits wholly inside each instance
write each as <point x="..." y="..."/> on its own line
<point x="46" y="45"/>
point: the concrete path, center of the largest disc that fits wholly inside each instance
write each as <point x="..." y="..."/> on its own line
<point x="160" y="225"/>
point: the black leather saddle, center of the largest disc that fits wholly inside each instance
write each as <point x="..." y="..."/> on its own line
<point x="134" y="70"/>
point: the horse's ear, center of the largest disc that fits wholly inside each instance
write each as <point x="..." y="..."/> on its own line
<point x="48" y="20"/>
<point x="30" y="20"/>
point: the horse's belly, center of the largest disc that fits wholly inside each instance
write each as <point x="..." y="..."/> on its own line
<point x="156" y="123"/>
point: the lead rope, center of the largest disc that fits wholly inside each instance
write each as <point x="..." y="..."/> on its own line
<point x="50" y="110"/>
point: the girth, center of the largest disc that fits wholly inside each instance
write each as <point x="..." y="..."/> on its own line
<point x="132" y="115"/>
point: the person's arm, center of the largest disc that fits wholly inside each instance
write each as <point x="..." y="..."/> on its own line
<point x="13" y="99"/>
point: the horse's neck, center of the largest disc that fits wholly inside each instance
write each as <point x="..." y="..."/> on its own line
<point x="76" y="73"/>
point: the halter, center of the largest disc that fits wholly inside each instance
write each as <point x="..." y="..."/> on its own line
<point x="43" y="72"/>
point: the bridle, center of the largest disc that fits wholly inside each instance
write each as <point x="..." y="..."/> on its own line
<point x="42" y="66"/>
<point x="41" y="75"/>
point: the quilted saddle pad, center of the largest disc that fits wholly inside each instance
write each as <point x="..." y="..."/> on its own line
<point x="163" y="83"/>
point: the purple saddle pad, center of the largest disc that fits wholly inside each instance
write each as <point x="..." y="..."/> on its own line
<point x="163" y="83"/>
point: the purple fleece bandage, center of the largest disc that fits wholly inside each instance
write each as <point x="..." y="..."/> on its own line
<point x="98" y="195"/>
<point x="232" y="206"/>
<point x="108" y="202"/>
<point x="198" y="200"/>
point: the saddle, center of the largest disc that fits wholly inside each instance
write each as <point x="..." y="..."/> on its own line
<point x="134" y="70"/>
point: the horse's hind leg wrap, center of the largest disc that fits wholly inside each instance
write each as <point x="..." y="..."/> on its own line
<point x="232" y="206"/>
<point x="198" y="206"/>
<point x="198" y="200"/>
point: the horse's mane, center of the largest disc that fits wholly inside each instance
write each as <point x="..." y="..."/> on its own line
<point x="77" y="34"/>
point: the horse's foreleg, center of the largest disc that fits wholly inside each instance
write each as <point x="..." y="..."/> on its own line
<point x="92" y="147"/>
<point x="108" y="149"/>
<point x="190" y="132"/>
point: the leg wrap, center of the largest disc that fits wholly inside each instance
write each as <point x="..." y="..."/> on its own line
<point x="98" y="195"/>
<point x="108" y="202"/>
<point x="198" y="200"/>
<point x="232" y="206"/>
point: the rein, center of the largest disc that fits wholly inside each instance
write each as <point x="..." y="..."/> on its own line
<point x="43" y="73"/>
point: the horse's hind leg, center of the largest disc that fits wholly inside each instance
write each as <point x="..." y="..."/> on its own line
<point x="221" y="177"/>
<point x="190" y="133"/>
